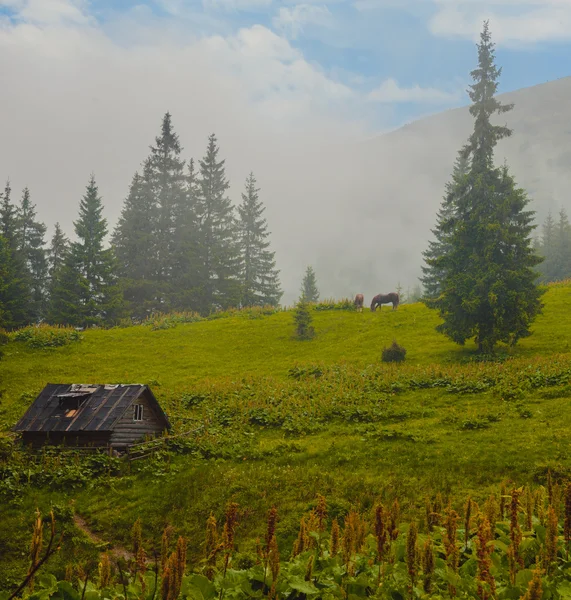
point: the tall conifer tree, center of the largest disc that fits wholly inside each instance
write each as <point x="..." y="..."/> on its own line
<point x="260" y="278"/>
<point x="59" y="247"/>
<point x="134" y="242"/>
<point x="432" y="276"/>
<point x="86" y="291"/>
<point x="166" y="177"/>
<point x="30" y="242"/>
<point x="309" y="291"/>
<point x="219" y="259"/>
<point x="185" y="246"/>
<point x="488" y="292"/>
<point x="17" y="286"/>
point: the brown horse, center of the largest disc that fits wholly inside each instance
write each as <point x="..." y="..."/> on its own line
<point x="391" y="298"/>
<point x="359" y="301"/>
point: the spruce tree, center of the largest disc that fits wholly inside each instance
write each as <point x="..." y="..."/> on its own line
<point x="547" y="248"/>
<point x="185" y="246"/>
<point x="432" y="276"/>
<point x="5" y="278"/>
<point x="17" y="286"/>
<point x="488" y="291"/>
<point x="562" y="254"/>
<point x="166" y="178"/>
<point x="59" y="247"/>
<point x="260" y="278"/>
<point x="218" y="252"/>
<point x="133" y="241"/>
<point x="309" y="291"/>
<point x="86" y="291"/>
<point x="30" y="243"/>
<point x="303" y="320"/>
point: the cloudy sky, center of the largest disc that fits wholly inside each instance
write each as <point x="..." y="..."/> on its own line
<point x="284" y="84"/>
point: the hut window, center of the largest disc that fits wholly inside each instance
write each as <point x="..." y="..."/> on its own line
<point x="138" y="412"/>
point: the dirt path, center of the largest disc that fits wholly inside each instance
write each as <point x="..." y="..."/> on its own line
<point x="115" y="551"/>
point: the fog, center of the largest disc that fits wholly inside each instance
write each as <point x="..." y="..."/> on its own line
<point x="78" y="97"/>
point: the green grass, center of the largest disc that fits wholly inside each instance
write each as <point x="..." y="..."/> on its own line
<point x="360" y="431"/>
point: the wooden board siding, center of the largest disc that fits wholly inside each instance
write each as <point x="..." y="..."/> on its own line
<point x="128" y="431"/>
<point x="38" y="438"/>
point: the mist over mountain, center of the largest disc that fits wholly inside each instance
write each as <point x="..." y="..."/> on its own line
<point x="395" y="182"/>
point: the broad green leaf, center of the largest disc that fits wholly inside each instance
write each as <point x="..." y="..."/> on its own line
<point x="67" y="592"/>
<point x="198" y="587"/>
<point x="300" y="585"/>
<point x="47" y="581"/>
<point x="523" y="578"/>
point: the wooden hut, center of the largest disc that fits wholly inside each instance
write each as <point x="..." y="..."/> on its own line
<point x="92" y="415"/>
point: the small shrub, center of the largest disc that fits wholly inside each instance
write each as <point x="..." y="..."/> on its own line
<point x="46" y="336"/>
<point x="302" y="318"/>
<point x="394" y="353"/>
<point x="332" y="304"/>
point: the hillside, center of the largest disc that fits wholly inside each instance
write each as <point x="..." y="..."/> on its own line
<point x="278" y="421"/>
<point x="393" y="184"/>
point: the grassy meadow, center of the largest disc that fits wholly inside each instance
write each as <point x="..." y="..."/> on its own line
<point x="278" y="421"/>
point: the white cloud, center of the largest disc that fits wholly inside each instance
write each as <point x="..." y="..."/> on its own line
<point x="237" y="5"/>
<point x="48" y="11"/>
<point x="391" y="92"/>
<point x="292" y="21"/>
<point x="512" y="22"/>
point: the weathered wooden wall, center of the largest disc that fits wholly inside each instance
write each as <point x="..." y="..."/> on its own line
<point x="89" y="438"/>
<point x="128" y="431"/>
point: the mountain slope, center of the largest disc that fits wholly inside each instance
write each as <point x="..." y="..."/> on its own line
<point x="396" y="181"/>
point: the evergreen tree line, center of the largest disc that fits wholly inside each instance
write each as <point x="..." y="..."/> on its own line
<point x="179" y="244"/>
<point x="554" y="245"/>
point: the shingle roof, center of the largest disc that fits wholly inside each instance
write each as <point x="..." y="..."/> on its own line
<point x="73" y="407"/>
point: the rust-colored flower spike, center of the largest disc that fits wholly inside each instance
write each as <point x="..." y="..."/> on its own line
<point x="165" y="541"/>
<point x="271" y="528"/>
<point x="274" y="559"/>
<point x="321" y="512"/>
<point x="211" y="546"/>
<point x="68" y="572"/>
<point x="484" y="549"/>
<point x="104" y="571"/>
<point x="514" y="558"/>
<point x="528" y="509"/>
<point x="549" y="487"/>
<point x="551" y="535"/>
<point x="539" y="502"/>
<point x="381" y="533"/>
<point x="301" y="544"/>
<point x="229" y="531"/>
<point x="557" y="497"/>
<point x="567" y="522"/>
<point x="36" y="545"/>
<point x="137" y="534"/>
<point x="467" y="520"/>
<point x="309" y="569"/>
<point x="503" y="498"/>
<point x="428" y="564"/>
<point x="535" y="586"/>
<point x="412" y="553"/>
<point x="394" y="520"/>
<point x="492" y="511"/>
<point x="348" y="540"/>
<point x="451" y="518"/>
<point x="274" y="566"/>
<point x="335" y="535"/>
<point x="180" y="559"/>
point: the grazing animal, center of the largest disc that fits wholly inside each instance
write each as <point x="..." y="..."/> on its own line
<point x="359" y="301"/>
<point x="391" y="298"/>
